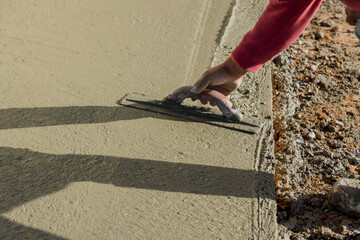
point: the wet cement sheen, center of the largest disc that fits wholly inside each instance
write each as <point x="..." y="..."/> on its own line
<point x="75" y="165"/>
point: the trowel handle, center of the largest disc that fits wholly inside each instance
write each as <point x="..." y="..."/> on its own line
<point x="212" y="96"/>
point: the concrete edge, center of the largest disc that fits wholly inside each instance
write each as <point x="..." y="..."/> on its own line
<point x="265" y="225"/>
<point x="257" y="103"/>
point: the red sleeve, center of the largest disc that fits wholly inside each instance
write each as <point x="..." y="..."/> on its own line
<point x="278" y="27"/>
<point x="352" y="4"/>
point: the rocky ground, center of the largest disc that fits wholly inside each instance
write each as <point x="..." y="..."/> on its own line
<point x="316" y="86"/>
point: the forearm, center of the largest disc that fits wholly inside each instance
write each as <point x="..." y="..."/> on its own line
<point x="278" y="27"/>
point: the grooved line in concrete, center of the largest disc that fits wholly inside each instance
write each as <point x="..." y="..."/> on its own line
<point x="198" y="34"/>
<point x="225" y="22"/>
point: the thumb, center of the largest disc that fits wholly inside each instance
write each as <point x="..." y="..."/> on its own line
<point x="200" y="86"/>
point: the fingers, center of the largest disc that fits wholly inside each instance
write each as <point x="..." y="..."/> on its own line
<point x="180" y="94"/>
<point x="200" y="85"/>
<point x="216" y="98"/>
<point x="213" y="97"/>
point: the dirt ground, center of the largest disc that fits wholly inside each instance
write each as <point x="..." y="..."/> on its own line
<point x="316" y="103"/>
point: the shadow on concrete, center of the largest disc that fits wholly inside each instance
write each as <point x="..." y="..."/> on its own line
<point x="26" y="175"/>
<point x="10" y="230"/>
<point x="51" y="116"/>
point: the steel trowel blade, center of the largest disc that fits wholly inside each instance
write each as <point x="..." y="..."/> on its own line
<point x="188" y="113"/>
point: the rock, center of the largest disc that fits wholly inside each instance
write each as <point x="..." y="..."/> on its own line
<point x="338" y="16"/>
<point x="341" y="124"/>
<point x="326" y="23"/>
<point x="322" y="82"/>
<point x="311" y="135"/>
<point x="347" y="225"/>
<point x="299" y="115"/>
<point x="345" y="196"/>
<point x="324" y="124"/>
<point x="297" y="236"/>
<point x="296" y="85"/>
<point x="310" y="153"/>
<point x="333" y="128"/>
<point x="328" y="154"/>
<point x="281" y="60"/>
<point x="286" y="237"/>
<point x="326" y="232"/>
<point x="319" y="135"/>
<point x="313" y="67"/>
<point x="318" y="34"/>
<point x="333" y="143"/>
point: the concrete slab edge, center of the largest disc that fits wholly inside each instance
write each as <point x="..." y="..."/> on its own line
<point x="259" y="88"/>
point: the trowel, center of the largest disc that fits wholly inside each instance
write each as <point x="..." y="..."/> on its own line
<point x="228" y="117"/>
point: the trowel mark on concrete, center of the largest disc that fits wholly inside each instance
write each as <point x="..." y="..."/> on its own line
<point x="205" y="9"/>
<point x="263" y="217"/>
<point x="225" y="23"/>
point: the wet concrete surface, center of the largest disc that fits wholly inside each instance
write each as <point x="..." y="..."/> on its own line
<point x="74" y="165"/>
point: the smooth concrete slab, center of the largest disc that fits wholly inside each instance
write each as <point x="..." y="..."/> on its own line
<point x="74" y="165"/>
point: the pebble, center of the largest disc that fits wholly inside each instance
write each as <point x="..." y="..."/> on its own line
<point x="339" y="123"/>
<point x="324" y="124"/>
<point x="281" y="60"/>
<point x="314" y="67"/>
<point x="333" y="128"/>
<point x="311" y="135"/>
<point x="298" y="115"/>
<point x="327" y="23"/>
<point x="319" y="34"/>
<point x="345" y="196"/>
<point x="296" y="85"/>
<point x="297" y="236"/>
<point x="319" y="135"/>
<point x="334" y="144"/>
<point x="286" y="237"/>
<point x="328" y="154"/>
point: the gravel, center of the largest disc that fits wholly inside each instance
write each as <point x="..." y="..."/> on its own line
<point x="316" y="106"/>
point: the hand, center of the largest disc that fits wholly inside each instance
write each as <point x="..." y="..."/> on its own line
<point x="224" y="78"/>
<point x="214" y="87"/>
<point x="351" y="16"/>
<point x="215" y="98"/>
